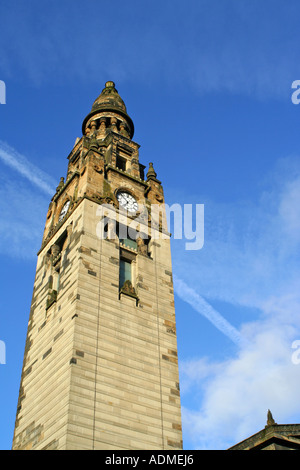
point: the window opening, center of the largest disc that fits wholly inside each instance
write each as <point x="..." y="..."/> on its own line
<point x="121" y="163"/>
<point x="125" y="272"/>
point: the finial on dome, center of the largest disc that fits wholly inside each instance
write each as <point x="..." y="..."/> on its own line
<point x="109" y="101"/>
<point x="110" y="84"/>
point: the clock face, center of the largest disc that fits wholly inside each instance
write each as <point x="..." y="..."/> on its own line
<point x="64" y="211"/>
<point x="127" y="201"/>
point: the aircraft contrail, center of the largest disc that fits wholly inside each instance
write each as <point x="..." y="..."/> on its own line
<point x="190" y="296"/>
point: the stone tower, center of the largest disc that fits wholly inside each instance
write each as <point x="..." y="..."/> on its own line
<point x="100" y="367"/>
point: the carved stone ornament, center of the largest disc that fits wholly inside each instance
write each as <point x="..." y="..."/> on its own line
<point x="128" y="289"/>
<point x="98" y="169"/>
<point x="142" y="247"/>
<point x="270" y="419"/>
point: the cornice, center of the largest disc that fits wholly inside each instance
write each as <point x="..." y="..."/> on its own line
<point x="109" y="167"/>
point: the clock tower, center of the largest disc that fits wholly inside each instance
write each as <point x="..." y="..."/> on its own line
<point x="100" y="368"/>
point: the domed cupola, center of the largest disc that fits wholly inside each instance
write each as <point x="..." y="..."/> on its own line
<point x="108" y="112"/>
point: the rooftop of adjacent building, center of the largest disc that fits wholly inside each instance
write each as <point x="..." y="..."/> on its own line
<point x="273" y="437"/>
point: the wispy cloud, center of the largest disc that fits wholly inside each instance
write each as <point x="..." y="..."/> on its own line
<point x="258" y="57"/>
<point x="252" y="249"/>
<point x="24" y="198"/>
<point x="237" y="392"/>
<point x="251" y="259"/>
<point x="24" y="167"/>
<point x="22" y="216"/>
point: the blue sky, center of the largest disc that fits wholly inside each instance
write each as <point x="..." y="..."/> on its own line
<point x="208" y="86"/>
